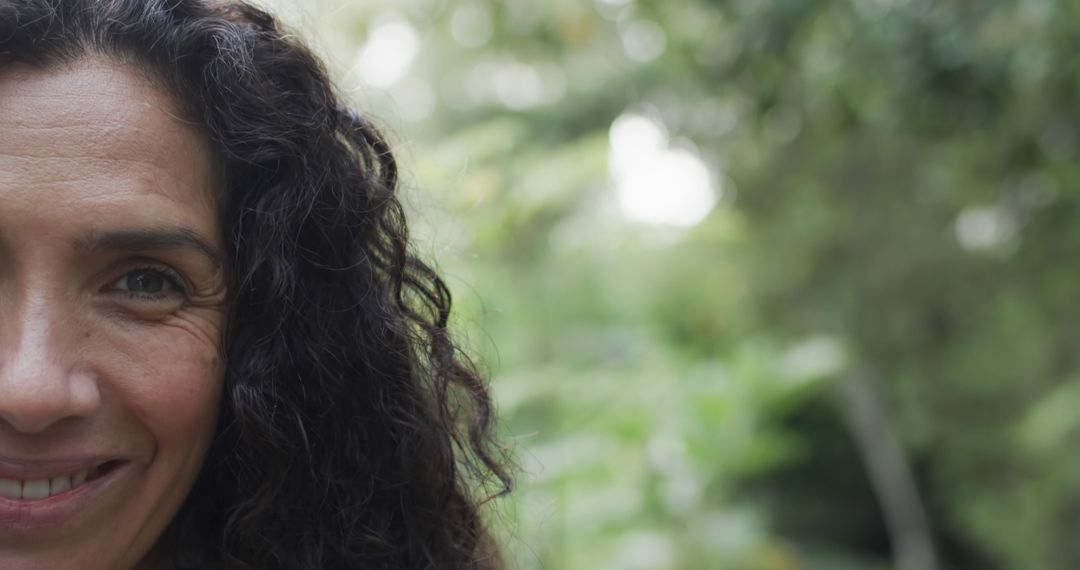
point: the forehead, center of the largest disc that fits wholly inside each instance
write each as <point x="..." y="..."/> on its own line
<point x="99" y="134"/>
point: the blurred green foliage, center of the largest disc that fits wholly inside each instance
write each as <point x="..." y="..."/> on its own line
<point x="894" y="195"/>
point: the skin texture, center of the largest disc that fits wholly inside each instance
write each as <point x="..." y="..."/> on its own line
<point x="89" y="367"/>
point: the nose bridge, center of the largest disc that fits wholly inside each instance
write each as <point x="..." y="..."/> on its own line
<point x="38" y="386"/>
<point x="33" y="340"/>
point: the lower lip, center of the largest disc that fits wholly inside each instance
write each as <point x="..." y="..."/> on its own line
<point x="23" y="518"/>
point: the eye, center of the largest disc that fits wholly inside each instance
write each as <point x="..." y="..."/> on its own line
<point x="149" y="282"/>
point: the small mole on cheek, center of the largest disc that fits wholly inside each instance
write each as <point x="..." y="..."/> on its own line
<point x="86" y="334"/>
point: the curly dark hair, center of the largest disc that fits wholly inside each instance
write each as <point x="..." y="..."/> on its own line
<point x="353" y="432"/>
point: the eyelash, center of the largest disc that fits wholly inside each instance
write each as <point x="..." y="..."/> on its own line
<point x="171" y="278"/>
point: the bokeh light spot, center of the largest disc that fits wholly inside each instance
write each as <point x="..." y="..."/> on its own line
<point x="386" y="57"/>
<point x="656" y="184"/>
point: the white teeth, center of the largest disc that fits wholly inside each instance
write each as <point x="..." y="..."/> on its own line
<point x="41" y="488"/>
<point x="59" y="485"/>
<point x="10" y="488"/>
<point x="35" y="489"/>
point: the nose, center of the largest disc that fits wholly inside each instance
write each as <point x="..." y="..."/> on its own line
<point x="40" y="381"/>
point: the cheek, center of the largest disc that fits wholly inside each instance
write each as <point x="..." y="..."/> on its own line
<point x="168" y="379"/>
<point x="164" y="384"/>
<point x="178" y="398"/>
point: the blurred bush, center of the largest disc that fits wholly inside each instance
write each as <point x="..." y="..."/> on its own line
<point x="677" y="230"/>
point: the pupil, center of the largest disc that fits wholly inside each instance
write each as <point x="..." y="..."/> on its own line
<point x="146" y="282"/>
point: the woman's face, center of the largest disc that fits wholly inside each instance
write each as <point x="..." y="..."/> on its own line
<point x="111" y="305"/>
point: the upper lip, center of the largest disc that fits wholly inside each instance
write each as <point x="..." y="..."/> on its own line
<point x="27" y="470"/>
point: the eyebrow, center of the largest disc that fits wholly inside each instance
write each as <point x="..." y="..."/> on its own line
<point x="149" y="240"/>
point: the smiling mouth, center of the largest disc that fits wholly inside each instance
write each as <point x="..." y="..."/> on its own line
<point x="37" y="489"/>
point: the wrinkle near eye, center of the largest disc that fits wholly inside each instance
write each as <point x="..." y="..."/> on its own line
<point x="203" y="327"/>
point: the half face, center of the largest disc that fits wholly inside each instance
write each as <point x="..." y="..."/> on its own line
<point x="111" y="307"/>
